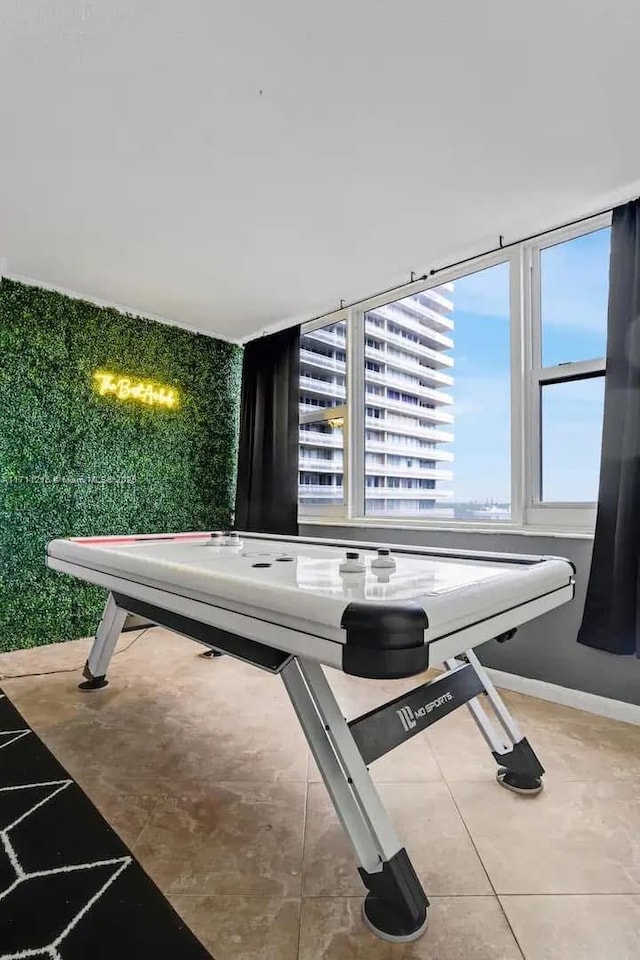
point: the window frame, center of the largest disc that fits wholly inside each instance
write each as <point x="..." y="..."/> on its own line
<point x="572" y="515"/>
<point x="330" y="511"/>
<point x="529" y="513"/>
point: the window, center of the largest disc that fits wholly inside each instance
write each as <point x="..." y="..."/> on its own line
<point x="458" y="343"/>
<point x="571" y="418"/>
<point x="574" y="282"/>
<point x="321" y="438"/>
<point x="570" y="320"/>
<point x="478" y="399"/>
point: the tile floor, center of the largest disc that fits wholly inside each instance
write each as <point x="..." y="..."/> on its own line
<point x="202" y="769"/>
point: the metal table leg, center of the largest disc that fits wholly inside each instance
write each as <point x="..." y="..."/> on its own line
<point x="396" y="905"/>
<point x="519" y="769"/>
<point x="109" y="629"/>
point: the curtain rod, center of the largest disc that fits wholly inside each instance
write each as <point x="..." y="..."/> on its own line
<point x="458" y="263"/>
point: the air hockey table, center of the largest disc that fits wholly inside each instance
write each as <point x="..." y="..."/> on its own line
<point x="293" y="605"/>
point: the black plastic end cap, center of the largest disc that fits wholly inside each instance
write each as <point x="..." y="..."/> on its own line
<point x="384" y="641"/>
<point x="396" y="905"/>
<point x="521" y="760"/>
<point x="381" y="626"/>
<point x="90" y="682"/>
<point x="98" y="683"/>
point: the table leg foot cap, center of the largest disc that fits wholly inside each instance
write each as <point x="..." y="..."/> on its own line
<point x="519" y="783"/>
<point x="90" y="682"/>
<point x="93" y="683"/>
<point x="381" y="917"/>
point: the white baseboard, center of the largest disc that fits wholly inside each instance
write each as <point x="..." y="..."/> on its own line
<point x="578" y="699"/>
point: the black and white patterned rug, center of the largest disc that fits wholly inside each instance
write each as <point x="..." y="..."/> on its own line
<point x="69" y="888"/>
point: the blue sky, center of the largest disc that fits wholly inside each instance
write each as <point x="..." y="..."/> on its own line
<point x="573" y="306"/>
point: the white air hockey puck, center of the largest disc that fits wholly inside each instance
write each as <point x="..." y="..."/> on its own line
<point x="384" y="560"/>
<point x="352" y="563"/>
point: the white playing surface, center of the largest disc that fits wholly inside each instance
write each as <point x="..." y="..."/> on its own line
<point x="310" y="589"/>
<point x="316" y="569"/>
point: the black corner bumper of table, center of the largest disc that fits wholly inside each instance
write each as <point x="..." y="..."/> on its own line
<point x="384" y="641"/>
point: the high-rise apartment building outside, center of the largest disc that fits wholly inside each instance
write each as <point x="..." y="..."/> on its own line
<point x="408" y="420"/>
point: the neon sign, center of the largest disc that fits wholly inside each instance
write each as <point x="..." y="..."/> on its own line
<point x="126" y="388"/>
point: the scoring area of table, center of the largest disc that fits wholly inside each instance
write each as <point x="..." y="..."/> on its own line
<point x="291" y="605"/>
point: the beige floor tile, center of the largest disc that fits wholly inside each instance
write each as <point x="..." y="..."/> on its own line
<point x="357" y="695"/>
<point x="411" y="762"/>
<point x="243" y="928"/>
<point x="574" y="837"/>
<point x="50" y="702"/>
<point x="459" y="749"/>
<point x="576" y="927"/>
<point x="201" y="767"/>
<point x="574" y="745"/>
<point x="169" y="717"/>
<point x="460" y="928"/>
<point x="52" y="698"/>
<point x="72" y="654"/>
<point x="226" y="839"/>
<point x="53" y="656"/>
<point x="127" y="806"/>
<point x="571" y="744"/>
<point x="428" y="825"/>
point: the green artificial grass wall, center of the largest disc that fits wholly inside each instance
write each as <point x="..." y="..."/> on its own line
<point x="75" y="463"/>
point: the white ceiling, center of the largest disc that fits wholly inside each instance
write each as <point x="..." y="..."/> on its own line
<point x="233" y="165"/>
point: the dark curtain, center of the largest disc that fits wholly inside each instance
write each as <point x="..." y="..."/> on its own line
<point x="267" y="497"/>
<point x="612" y="612"/>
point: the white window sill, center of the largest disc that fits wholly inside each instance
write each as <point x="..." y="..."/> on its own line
<point x="384" y="523"/>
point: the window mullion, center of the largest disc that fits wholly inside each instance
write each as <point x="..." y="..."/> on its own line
<point x="356" y="420"/>
<point x="533" y="439"/>
<point x="519" y="360"/>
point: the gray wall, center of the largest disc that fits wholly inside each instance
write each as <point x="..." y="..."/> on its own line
<point x="546" y="648"/>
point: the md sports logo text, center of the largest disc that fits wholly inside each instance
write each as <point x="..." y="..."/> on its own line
<point x="409" y="718"/>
